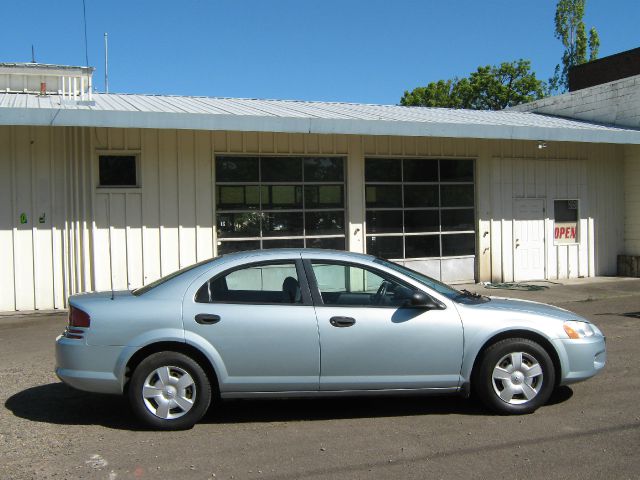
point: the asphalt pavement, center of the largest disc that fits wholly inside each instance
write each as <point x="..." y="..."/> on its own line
<point x="590" y="430"/>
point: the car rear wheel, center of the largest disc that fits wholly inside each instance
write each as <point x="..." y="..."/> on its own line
<point x="169" y="391"/>
<point x="515" y="376"/>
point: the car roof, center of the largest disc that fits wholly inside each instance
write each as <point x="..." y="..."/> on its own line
<point x="276" y="253"/>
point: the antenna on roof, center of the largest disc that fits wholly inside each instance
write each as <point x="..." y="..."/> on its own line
<point x="106" y="62"/>
<point x="33" y="54"/>
<point x="84" y="16"/>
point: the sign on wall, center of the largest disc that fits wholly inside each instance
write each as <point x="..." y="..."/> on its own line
<point x="565" y="229"/>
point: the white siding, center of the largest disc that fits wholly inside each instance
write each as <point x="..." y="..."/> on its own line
<point x="92" y="237"/>
<point x="632" y="200"/>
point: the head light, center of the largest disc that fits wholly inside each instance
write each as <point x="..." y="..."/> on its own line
<point x="576" y="329"/>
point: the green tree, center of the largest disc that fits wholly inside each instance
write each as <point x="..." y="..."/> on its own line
<point x="488" y="88"/>
<point x="571" y="31"/>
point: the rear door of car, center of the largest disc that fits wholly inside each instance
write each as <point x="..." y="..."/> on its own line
<point x="374" y="343"/>
<point x="259" y="319"/>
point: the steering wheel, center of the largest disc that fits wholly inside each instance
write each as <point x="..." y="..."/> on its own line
<point x="382" y="291"/>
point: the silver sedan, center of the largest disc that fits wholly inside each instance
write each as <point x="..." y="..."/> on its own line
<point x="293" y="323"/>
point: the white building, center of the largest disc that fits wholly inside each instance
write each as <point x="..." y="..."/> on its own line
<point x="102" y="190"/>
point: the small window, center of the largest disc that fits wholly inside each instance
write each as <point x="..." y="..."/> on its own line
<point x="565" y="230"/>
<point x="350" y="285"/>
<point x="118" y="171"/>
<point x="261" y="284"/>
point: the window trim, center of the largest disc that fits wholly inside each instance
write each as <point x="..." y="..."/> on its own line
<point x="578" y="229"/>
<point x="137" y="188"/>
<point x="317" y="296"/>
<point x="302" y="281"/>
<point x="402" y="234"/>
<point x="304" y="236"/>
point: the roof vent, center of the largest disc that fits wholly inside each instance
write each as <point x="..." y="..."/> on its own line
<point x="72" y="83"/>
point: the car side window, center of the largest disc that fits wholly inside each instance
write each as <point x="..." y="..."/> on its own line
<point x="261" y="284"/>
<point x="351" y="285"/>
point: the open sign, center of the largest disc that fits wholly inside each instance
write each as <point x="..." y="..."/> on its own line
<point x="565" y="229"/>
<point x="565" y="233"/>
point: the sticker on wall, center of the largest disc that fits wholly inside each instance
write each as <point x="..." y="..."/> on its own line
<point x="23" y="218"/>
<point x="42" y="218"/>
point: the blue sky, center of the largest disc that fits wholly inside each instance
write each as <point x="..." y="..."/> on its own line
<point x="366" y="51"/>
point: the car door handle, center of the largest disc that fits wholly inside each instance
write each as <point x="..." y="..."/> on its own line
<point x="207" y="319"/>
<point x="342" y="321"/>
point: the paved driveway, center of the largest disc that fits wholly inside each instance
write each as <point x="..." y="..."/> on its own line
<point x="591" y="430"/>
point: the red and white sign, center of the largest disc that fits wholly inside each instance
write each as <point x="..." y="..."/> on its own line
<point x="565" y="232"/>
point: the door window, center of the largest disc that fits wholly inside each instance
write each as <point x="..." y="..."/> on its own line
<point x="256" y="284"/>
<point x="350" y="285"/>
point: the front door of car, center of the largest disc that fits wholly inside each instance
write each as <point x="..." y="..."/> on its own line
<point x="370" y="339"/>
<point x="260" y="322"/>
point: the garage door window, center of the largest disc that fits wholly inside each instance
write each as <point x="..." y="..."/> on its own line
<point x="275" y="202"/>
<point x="420" y="208"/>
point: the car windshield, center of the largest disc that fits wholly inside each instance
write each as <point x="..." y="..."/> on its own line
<point x="432" y="283"/>
<point x="160" y="281"/>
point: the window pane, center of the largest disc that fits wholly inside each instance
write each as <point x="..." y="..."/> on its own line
<point x="354" y="286"/>
<point x="457" y="195"/>
<point x="258" y="284"/>
<point x="118" y="171"/>
<point x="237" y="169"/>
<point x="282" y="224"/>
<point x="385" y="247"/>
<point x="281" y="169"/>
<point x="459" y="244"/>
<point x="382" y="170"/>
<point x="324" y="196"/>
<point x="422" y="246"/>
<point x="458" y="219"/>
<point x="284" y="243"/>
<point x="324" y="223"/>
<point x="416" y="221"/>
<point x="328" y="243"/>
<point x="384" y="195"/>
<point x="456" y="170"/>
<point x="384" y="221"/>
<point x="416" y="170"/>
<point x="420" y="195"/>
<point x="281" y="197"/>
<point x="230" y="247"/>
<point x="323" y="169"/>
<point x="565" y="210"/>
<point x="245" y="224"/>
<point x="238" y="197"/>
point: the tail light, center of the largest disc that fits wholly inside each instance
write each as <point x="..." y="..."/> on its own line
<point x="77" y="319"/>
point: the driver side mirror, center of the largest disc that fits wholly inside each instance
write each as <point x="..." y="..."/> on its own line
<point x="422" y="300"/>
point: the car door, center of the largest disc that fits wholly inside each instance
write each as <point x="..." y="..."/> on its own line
<point x="259" y="319"/>
<point x="371" y="339"/>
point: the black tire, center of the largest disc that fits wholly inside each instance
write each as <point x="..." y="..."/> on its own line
<point x="517" y="391"/>
<point x="197" y="394"/>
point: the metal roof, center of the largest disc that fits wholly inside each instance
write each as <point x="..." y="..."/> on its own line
<point x="207" y="113"/>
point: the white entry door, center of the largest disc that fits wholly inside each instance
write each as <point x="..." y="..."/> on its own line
<point x="528" y="239"/>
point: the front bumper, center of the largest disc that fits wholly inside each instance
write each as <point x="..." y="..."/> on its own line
<point x="88" y="367"/>
<point x="580" y="359"/>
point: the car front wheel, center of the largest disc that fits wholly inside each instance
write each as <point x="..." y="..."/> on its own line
<point x="516" y="376"/>
<point x="169" y="391"/>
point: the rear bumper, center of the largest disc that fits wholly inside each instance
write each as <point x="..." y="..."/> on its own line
<point x="580" y="359"/>
<point x="88" y="367"/>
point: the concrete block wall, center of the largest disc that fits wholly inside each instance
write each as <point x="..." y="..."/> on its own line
<point x="616" y="102"/>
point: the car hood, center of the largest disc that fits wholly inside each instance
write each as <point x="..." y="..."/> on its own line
<point x="503" y="305"/>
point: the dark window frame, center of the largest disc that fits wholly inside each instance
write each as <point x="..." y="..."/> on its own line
<point x="439" y="208"/>
<point x="116" y="154"/>
<point x="305" y="235"/>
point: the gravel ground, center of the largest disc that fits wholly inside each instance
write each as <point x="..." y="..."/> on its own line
<point x="591" y="430"/>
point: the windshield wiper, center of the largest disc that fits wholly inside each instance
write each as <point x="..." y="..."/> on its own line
<point x="467" y="293"/>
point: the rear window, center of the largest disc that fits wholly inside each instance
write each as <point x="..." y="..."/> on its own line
<point x="160" y="281"/>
